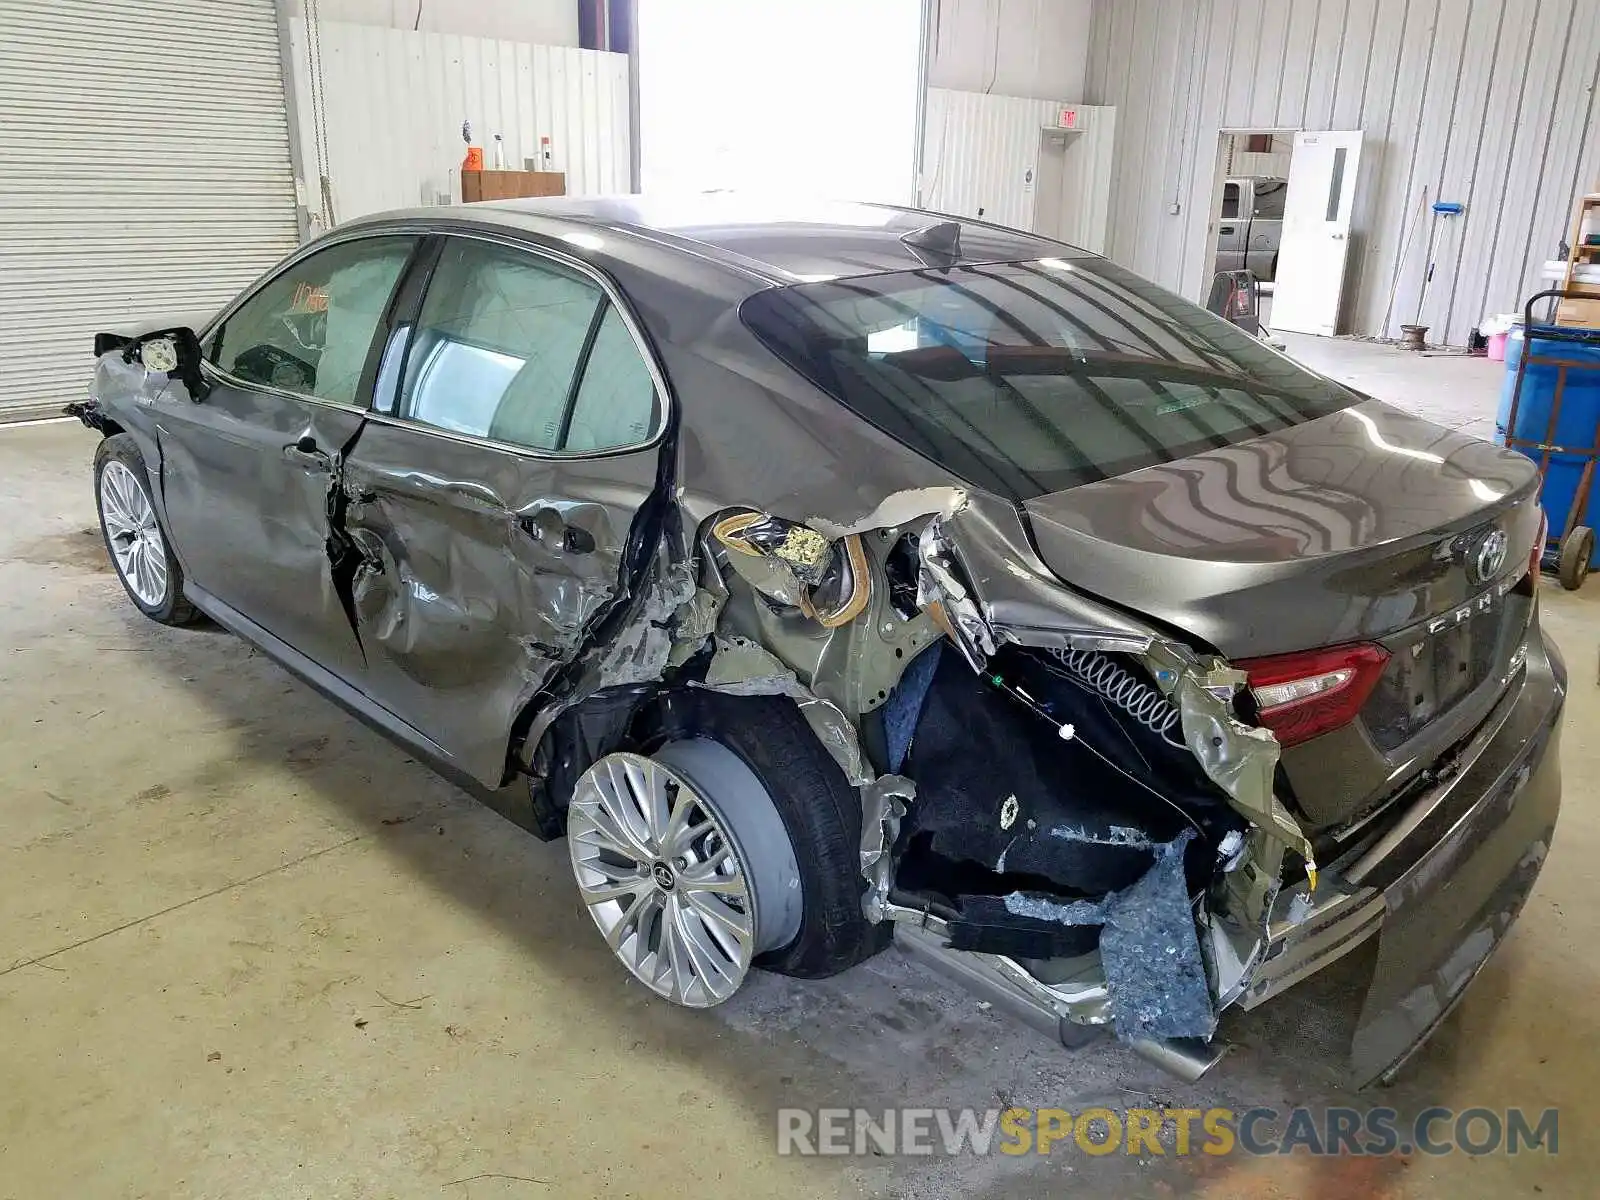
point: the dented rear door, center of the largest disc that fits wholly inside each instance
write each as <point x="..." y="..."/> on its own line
<point x="488" y="497"/>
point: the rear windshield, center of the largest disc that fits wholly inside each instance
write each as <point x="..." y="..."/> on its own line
<point x="1028" y="378"/>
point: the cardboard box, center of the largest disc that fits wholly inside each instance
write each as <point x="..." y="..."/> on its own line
<point x="1580" y="314"/>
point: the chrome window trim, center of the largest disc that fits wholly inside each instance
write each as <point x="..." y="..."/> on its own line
<point x="471" y="439"/>
<point x="219" y="375"/>
<point x="423" y="229"/>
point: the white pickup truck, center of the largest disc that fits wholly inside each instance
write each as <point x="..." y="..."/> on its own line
<point x="1251" y="226"/>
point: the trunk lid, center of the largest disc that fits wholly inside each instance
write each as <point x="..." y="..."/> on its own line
<point x="1366" y="525"/>
<point x="1347" y="528"/>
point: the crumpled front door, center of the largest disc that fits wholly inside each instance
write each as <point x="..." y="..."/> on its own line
<point x="248" y="476"/>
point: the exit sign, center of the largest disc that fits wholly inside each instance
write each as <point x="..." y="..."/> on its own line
<point x="1067" y="118"/>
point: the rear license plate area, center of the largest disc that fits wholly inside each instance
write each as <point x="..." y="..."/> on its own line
<point x="1430" y="675"/>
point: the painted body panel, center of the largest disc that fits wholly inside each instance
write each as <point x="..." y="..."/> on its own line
<point x="479" y="571"/>
<point x="1336" y="530"/>
<point x="250" y="508"/>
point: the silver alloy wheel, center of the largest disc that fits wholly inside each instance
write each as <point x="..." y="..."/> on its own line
<point x="132" y="532"/>
<point x="685" y="866"/>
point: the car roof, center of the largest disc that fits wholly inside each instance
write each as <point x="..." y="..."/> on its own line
<point x="776" y="240"/>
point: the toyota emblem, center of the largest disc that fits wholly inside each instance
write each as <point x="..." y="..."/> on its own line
<point x="1491" y="556"/>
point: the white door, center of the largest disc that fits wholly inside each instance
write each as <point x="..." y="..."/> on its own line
<point x="1316" y="231"/>
<point x="1051" y="199"/>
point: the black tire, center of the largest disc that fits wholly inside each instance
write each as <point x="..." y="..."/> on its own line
<point x="1577" y="552"/>
<point x="173" y="608"/>
<point x="820" y="809"/>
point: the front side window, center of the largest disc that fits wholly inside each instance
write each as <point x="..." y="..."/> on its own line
<point x="1027" y="378"/>
<point x="523" y="350"/>
<point x="1230" y="201"/>
<point x="310" y="329"/>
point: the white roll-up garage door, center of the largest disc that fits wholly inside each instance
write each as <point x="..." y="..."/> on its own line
<point x="144" y="173"/>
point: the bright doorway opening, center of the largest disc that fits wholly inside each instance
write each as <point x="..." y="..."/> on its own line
<point x="1281" y="207"/>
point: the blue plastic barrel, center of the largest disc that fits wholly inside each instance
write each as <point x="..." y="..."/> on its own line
<point x="1575" y="427"/>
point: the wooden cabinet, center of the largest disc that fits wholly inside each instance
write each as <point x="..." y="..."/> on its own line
<point x="511" y="185"/>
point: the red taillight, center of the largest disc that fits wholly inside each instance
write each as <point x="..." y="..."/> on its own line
<point x="1310" y="692"/>
<point x="1536" y="555"/>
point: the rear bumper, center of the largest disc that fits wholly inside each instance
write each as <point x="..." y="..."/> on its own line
<point x="1439" y="884"/>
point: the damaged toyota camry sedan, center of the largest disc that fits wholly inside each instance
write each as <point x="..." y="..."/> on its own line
<point x="856" y="575"/>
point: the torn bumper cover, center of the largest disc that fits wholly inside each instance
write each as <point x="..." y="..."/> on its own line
<point x="1440" y="885"/>
<point x="1155" y="976"/>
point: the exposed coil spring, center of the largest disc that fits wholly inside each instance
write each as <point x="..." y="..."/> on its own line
<point x="1119" y="686"/>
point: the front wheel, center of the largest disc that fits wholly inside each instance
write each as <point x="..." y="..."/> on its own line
<point x="135" y="541"/>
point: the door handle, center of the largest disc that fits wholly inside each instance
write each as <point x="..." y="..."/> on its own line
<point x="547" y="528"/>
<point x="1226" y="229"/>
<point x="308" y="454"/>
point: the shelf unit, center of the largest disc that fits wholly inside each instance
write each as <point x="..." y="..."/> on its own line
<point x="1582" y="308"/>
<point x="510" y="185"/>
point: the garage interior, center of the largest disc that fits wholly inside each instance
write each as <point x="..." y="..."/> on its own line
<point x="254" y="949"/>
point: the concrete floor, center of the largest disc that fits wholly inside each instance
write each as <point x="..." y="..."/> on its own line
<point x="248" y="948"/>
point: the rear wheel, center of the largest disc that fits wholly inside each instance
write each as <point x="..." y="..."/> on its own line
<point x="135" y="541"/>
<point x="735" y="843"/>
<point x="685" y="866"/>
<point x="1577" y="552"/>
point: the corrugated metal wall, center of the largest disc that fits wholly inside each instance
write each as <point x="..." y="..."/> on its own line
<point x="1488" y="102"/>
<point x="1034" y="48"/>
<point x="981" y="158"/>
<point x="146" y="175"/>
<point x="538" y="22"/>
<point x="395" y="100"/>
<point x="976" y="149"/>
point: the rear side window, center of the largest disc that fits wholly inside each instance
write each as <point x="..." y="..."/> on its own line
<point x="309" y="330"/>
<point x="1028" y="378"/>
<point x="615" y="405"/>
<point x="508" y="346"/>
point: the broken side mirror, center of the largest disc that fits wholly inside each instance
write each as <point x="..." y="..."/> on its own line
<point x="175" y="353"/>
<point x="159" y="354"/>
